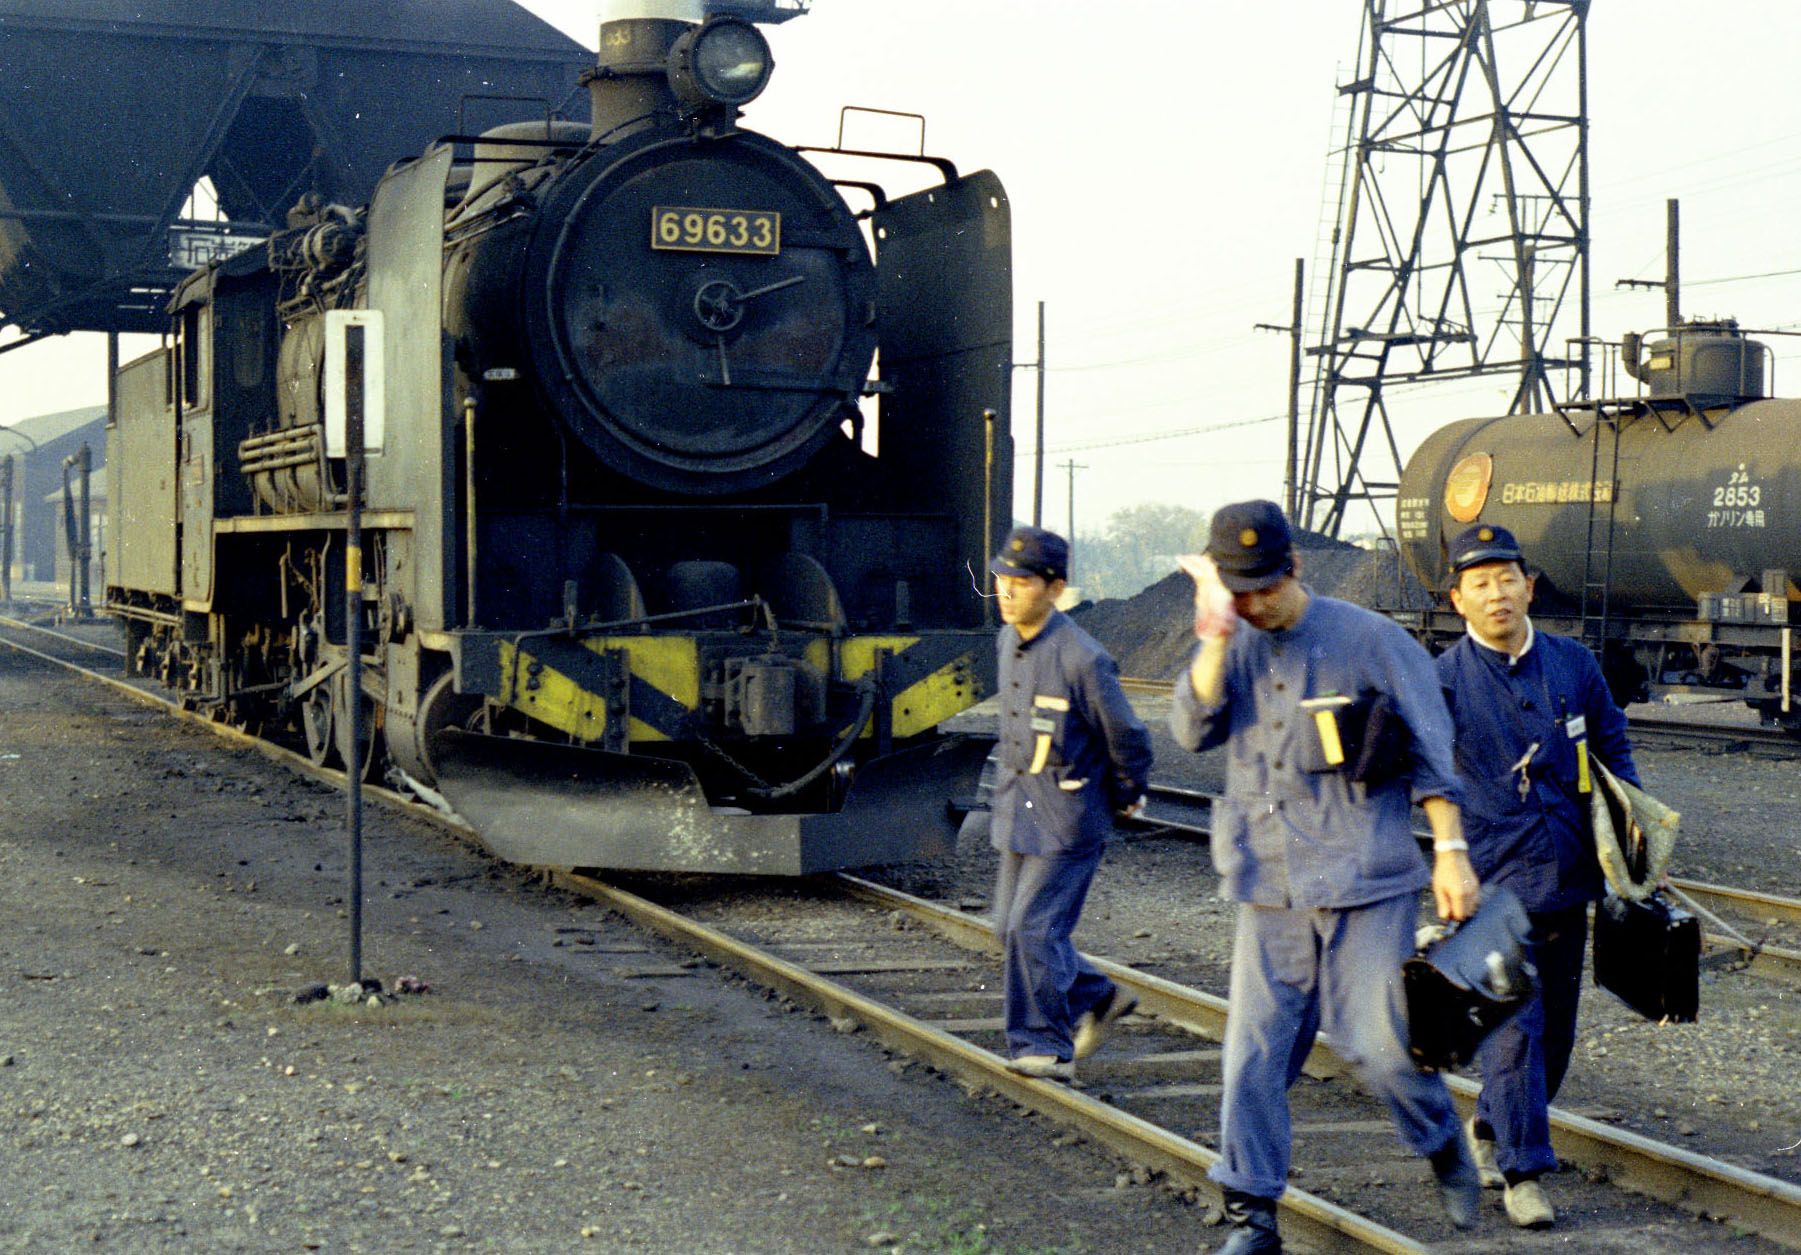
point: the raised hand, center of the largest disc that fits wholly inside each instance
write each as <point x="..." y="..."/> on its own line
<point x="1214" y="616"/>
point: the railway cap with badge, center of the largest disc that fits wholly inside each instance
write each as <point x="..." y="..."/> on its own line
<point x="1251" y="545"/>
<point x="1033" y="551"/>
<point x="1482" y="543"/>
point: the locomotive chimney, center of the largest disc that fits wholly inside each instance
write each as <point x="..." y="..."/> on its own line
<point x="630" y="79"/>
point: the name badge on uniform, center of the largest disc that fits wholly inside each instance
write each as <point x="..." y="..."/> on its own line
<point x="1325" y="721"/>
<point x="1045" y="728"/>
<point x="1577" y="729"/>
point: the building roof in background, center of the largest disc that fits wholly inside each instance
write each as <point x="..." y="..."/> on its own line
<point x="497" y="28"/>
<point x="43" y="428"/>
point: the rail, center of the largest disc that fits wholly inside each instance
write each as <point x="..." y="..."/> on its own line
<point x="1723" y="943"/>
<point x="1751" y="1201"/>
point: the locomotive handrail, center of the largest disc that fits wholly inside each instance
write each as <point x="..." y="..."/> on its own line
<point x="511" y="142"/>
<point x="877" y="193"/>
<point x="641" y="620"/>
<point x="944" y="165"/>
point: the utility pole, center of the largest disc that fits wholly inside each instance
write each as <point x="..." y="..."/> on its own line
<point x="1671" y="283"/>
<point x="1038" y="441"/>
<point x="1072" y="467"/>
<point x="1293" y="332"/>
<point x="6" y="530"/>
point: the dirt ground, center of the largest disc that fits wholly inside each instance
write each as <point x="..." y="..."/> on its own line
<point x="567" y="1082"/>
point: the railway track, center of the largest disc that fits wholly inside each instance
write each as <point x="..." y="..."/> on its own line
<point x="1741" y="922"/>
<point x="865" y="956"/>
<point x="902" y="969"/>
<point x="1681" y="731"/>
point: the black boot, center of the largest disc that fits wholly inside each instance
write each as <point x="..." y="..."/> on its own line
<point x="1253" y="1221"/>
<point x="1459" y="1184"/>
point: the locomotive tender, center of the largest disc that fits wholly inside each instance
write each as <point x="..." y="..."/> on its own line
<point x="1664" y="524"/>
<point x="642" y="588"/>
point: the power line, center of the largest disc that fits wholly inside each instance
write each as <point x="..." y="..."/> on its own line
<point x="1166" y="435"/>
<point x="1767" y="274"/>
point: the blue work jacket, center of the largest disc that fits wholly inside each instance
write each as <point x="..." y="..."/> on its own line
<point x="1540" y="844"/>
<point x="1290" y="837"/>
<point x="1072" y="751"/>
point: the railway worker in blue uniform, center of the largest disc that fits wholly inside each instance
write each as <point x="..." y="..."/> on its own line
<point x="1324" y="867"/>
<point x="1072" y="753"/>
<point x="1531" y="712"/>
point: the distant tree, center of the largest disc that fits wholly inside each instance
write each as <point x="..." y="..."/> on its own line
<point x="1136" y="547"/>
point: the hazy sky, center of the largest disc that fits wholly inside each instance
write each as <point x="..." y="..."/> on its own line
<point x="1165" y="162"/>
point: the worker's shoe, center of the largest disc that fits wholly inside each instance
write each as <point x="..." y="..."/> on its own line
<point x="1253" y="1221"/>
<point x="1528" y="1207"/>
<point x="1092" y="1025"/>
<point x="1482" y="1151"/>
<point x="1045" y="1067"/>
<point x="1459" y="1186"/>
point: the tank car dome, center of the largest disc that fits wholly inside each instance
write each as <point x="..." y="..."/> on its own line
<point x="1711" y="363"/>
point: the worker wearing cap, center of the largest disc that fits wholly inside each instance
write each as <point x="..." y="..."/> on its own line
<point x="1324" y="867"/>
<point x="1071" y="754"/>
<point x="1532" y="712"/>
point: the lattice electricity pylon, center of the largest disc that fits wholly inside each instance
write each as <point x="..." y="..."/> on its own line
<point x="1465" y="113"/>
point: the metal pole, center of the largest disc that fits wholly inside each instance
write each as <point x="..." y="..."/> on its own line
<point x="84" y="463"/>
<point x="1529" y="366"/>
<point x="1672" y="274"/>
<point x="1038" y="443"/>
<point x="6" y="531"/>
<point x="1072" y="466"/>
<point x="353" y="629"/>
<point x="1294" y="390"/>
<point x="988" y="419"/>
<point x="71" y="537"/>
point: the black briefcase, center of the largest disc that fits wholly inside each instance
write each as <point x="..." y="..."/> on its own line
<point x="1466" y="981"/>
<point x="1648" y="955"/>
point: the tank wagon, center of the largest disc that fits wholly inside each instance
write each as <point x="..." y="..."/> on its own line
<point x="642" y="587"/>
<point x="1666" y="526"/>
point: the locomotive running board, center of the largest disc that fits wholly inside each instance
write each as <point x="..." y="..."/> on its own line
<point x="550" y="805"/>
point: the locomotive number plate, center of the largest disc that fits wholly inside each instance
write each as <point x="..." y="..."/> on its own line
<point x="688" y="229"/>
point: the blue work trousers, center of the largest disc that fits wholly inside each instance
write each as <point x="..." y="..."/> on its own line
<point x="1037" y="901"/>
<point x="1523" y="1061"/>
<point x="1297" y="971"/>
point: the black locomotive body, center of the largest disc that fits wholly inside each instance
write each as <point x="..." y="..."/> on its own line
<point x="1663" y="523"/>
<point x="640" y="590"/>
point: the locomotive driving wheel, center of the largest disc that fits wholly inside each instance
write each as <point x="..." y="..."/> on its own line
<point x="324" y="719"/>
<point x="317" y="709"/>
<point x="316" y="721"/>
<point x="367" y="753"/>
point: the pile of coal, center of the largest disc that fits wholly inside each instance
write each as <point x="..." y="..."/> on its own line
<point x="1150" y="635"/>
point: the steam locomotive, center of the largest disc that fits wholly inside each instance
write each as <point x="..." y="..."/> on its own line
<point x="642" y="585"/>
<point x="1663" y="523"/>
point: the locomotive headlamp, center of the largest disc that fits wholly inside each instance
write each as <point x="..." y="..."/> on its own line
<point x="724" y="61"/>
